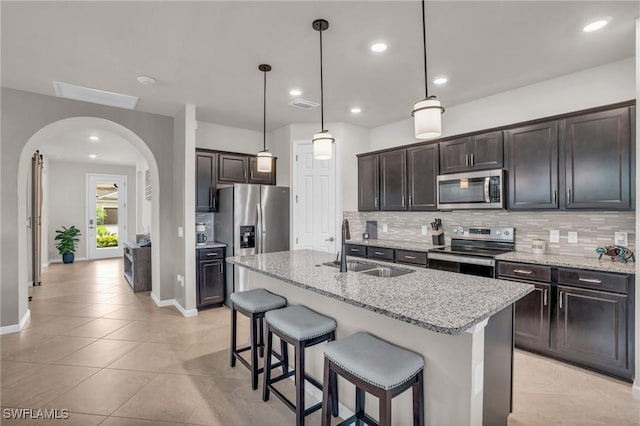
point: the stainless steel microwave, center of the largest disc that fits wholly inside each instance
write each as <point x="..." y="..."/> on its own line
<point x="472" y="190"/>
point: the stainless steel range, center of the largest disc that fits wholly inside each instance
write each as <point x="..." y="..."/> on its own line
<point x="473" y="250"/>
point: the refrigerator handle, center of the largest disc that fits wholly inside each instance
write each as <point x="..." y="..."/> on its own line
<point x="262" y="229"/>
<point x="258" y="229"/>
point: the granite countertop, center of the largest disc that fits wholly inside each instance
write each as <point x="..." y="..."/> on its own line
<point x="210" y="244"/>
<point x="401" y="245"/>
<point x="605" y="264"/>
<point x="133" y="244"/>
<point x="443" y="302"/>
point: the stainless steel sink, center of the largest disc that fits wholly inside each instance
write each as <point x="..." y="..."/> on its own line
<point x="385" y="272"/>
<point x="352" y="265"/>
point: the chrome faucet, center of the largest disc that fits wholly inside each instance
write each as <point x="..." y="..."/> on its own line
<point x="346" y="235"/>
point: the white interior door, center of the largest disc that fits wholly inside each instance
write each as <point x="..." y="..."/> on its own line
<point x="314" y="201"/>
<point x="106" y="215"/>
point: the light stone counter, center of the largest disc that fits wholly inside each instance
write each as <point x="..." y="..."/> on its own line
<point x="592" y="263"/>
<point x="440" y="301"/>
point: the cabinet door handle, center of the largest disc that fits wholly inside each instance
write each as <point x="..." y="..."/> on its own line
<point x="466" y="160"/>
<point x="212" y="254"/>
<point x="544" y="297"/>
<point x="409" y="257"/>
<point x="244" y="173"/>
<point x="220" y="267"/>
<point x="410" y="200"/>
<point x="560" y="299"/>
<point x="355" y="250"/>
<point x="403" y="201"/>
<point x="590" y="280"/>
<point x="568" y="195"/>
<point x="555" y="196"/>
<point x="375" y="201"/>
<point x="379" y="253"/>
<point x="471" y="160"/>
<point x="251" y="174"/>
<point x="522" y="271"/>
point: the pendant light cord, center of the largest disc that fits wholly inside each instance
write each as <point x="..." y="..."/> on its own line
<point x="424" y="41"/>
<point x="264" y="114"/>
<point x="321" y="87"/>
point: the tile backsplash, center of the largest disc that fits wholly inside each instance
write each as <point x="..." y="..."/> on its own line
<point x="594" y="228"/>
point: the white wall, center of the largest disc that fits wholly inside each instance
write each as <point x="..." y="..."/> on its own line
<point x="225" y="138"/>
<point x="67" y="194"/>
<point x="606" y="84"/>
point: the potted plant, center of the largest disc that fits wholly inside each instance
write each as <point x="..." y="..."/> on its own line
<point x="67" y="242"/>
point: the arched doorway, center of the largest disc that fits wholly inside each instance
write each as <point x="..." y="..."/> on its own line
<point x="42" y="135"/>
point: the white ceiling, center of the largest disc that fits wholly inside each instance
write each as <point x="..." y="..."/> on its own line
<point x="207" y="53"/>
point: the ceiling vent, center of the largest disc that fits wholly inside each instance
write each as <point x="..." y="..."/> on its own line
<point x="96" y="96"/>
<point x="304" y="103"/>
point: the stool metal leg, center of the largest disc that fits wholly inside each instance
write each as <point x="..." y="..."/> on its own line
<point x="234" y="318"/>
<point x="327" y="391"/>
<point x="267" y="366"/>
<point x="254" y="352"/>
<point x="418" y="401"/>
<point x="299" y="384"/>
<point x="359" y="406"/>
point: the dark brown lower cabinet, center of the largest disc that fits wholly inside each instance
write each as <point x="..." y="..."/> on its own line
<point x="592" y="328"/>
<point x="533" y="318"/>
<point x="210" y="277"/>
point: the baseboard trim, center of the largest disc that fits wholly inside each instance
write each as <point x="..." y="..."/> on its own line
<point x="635" y="390"/>
<point x="59" y="260"/>
<point x="45" y="265"/>
<point x="187" y="313"/>
<point x="14" y="328"/>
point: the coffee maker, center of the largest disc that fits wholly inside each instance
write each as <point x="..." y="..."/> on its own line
<point x="201" y="237"/>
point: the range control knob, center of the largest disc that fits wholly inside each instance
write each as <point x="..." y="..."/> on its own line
<point x="506" y="232"/>
<point x="499" y="232"/>
<point x="455" y="231"/>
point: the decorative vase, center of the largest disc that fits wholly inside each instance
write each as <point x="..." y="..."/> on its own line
<point x="67" y="258"/>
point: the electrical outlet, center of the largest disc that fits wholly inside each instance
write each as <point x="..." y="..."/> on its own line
<point x="425" y="230"/>
<point x="572" y="237"/>
<point x="554" y="236"/>
<point x="385" y="227"/>
<point x="180" y="279"/>
<point x="180" y="231"/>
<point x="621" y="239"/>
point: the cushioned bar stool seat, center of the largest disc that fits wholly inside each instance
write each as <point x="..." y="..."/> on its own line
<point x="254" y="304"/>
<point x="377" y="367"/>
<point x="302" y="328"/>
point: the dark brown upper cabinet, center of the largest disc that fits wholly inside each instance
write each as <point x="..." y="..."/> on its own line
<point x="262" y="178"/>
<point x="597" y="156"/>
<point x="533" y="166"/>
<point x="477" y="152"/>
<point x="232" y="168"/>
<point x="393" y="180"/>
<point x="368" y="182"/>
<point x="205" y="182"/>
<point x="422" y="171"/>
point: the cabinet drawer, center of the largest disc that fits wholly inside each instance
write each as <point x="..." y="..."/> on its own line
<point x="595" y="280"/>
<point x="210" y="254"/>
<point x="525" y="271"/>
<point x="411" y="257"/>
<point x="380" y="253"/>
<point x="356" y="250"/>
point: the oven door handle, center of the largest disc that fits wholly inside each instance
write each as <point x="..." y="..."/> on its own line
<point x="487" y="181"/>
<point x="483" y="261"/>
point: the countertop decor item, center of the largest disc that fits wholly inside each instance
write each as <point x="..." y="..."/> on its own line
<point x="322" y="141"/>
<point x="623" y="253"/>
<point x="67" y="242"/>
<point x="426" y="113"/>
<point x="264" y="156"/>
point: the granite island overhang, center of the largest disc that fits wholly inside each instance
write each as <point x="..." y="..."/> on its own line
<point x="461" y="324"/>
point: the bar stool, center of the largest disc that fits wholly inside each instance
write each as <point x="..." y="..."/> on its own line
<point x="302" y="328"/>
<point x="377" y="367"/>
<point x="254" y="304"/>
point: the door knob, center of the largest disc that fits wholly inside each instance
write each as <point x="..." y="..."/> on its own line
<point x="329" y="239"/>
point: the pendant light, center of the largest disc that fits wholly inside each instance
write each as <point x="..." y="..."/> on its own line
<point x="322" y="141"/>
<point x="426" y="113"/>
<point x="264" y="157"/>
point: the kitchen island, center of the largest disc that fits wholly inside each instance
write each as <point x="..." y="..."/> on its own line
<point x="461" y="325"/>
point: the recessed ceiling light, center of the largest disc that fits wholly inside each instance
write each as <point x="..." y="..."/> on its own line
<point x="356" y="110"/>
<point x="96" y="96"/>
<point x="378" y="47"/>
<point x="440" y="80"/>
<point x="92" y="156"/>
<point x="94" y="138"/>
<point x="145" y="80"/>
<point x="595" y="26"/>
<point x="295" y="92"/>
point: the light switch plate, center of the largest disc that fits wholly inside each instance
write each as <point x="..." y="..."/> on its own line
<point x="554" y="236"/>
<point x="425" y="230"/>
<point x="180" y="231"/>
<point x="385" y="227"/>
<point x="621" y="239"/>
<point x="572" y="237"/>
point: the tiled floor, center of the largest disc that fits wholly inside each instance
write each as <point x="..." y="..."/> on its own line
<point x="113" y="358"/>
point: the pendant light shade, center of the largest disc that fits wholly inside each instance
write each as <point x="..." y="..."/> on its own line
<point x="322" y="141"/>
<point x="427" y="113"/>
<point x="265" y="159"/>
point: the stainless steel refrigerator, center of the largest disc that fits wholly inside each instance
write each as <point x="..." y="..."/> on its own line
<point x="251" y="219"/>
